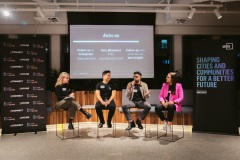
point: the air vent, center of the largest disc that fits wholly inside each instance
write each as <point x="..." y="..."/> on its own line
<point x="52" y="20"/>
<point x="181" y="21"/>
<point x="176" y="18"/>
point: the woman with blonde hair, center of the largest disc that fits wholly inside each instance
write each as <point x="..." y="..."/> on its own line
<point x="66" y="99"/>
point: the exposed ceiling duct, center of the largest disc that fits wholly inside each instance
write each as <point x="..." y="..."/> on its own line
<point x="47" y="20"/>
<point x="103" y="7"/>
<point x="222" y="1"/>
<point x="175" y="11"/>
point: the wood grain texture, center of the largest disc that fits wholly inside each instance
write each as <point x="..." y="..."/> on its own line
<point x="88" y="98"/>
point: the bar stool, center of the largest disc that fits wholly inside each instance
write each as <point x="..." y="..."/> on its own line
<point x="136" y="110"/>
<point x="165" y="134"/>
<point x="113" y="126"/>
<point x="91" y="107"/>
<point x="64" y="133"/>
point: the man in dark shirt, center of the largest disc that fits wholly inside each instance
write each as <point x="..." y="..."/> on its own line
<point x="137" y="93"/>
<point x="105" y="92"/>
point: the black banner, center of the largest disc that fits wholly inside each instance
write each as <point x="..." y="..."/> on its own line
<point x="215" y="97"/>
<point x="23" y="78"/>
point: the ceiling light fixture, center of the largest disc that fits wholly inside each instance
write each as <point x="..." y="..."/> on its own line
<point x="191" y="14"/>
<point x="217" y="13"/>
<point x="40" y="12"/>
<point x="6" y="13"/>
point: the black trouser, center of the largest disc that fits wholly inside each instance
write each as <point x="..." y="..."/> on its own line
<point x="171" y="108"/>
<point x="111" y="107"/>
<point x="144" y="105"/>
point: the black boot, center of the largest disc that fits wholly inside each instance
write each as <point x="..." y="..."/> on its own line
<point x="100" y="125"/>
<point x="70" y="125"/>
<point x="87" y="115"/>
<point x="139" y="124"/>
<point x="130" y="125"/>
<point x="109" y="124"/>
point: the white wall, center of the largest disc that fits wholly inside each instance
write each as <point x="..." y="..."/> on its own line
<point x="55" y="51"/>
<point x="177" y="50"/>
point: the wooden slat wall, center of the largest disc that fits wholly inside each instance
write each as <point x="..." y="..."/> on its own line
<point x="90" y="99"/>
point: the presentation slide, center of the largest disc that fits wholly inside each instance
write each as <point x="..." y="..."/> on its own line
<point x="119" y="48"/>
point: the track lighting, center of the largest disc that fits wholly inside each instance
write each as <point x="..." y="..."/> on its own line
<point x="191" y="13"/>
<point x="217" y="13"/>
<point x="40" y="12"/>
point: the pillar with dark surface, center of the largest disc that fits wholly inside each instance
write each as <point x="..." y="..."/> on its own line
<point x="215" y="87"/>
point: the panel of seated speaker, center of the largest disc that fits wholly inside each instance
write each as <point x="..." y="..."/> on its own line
<point x="89" y="98"/>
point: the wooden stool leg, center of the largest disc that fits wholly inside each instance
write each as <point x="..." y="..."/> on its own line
<point x="56" y="121"/>
<point x="114" y="125"/>
<point x="78" y="123"/>
<point x="157" y="126"/>
<point x="182" y="116"/>
<point x="172" y="130"/>
<point x="97" y="128"/>
<point x="62" y="124"/>
<point x="145" y="129"/>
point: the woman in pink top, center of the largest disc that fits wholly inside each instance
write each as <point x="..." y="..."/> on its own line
<point x="170" y="97"/>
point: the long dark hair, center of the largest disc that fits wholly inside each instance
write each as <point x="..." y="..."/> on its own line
<point x="174" y="77"/>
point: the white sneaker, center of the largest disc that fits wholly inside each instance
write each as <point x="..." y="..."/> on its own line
<point x="165" y="126"/>
<point x="169" y="128"/>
